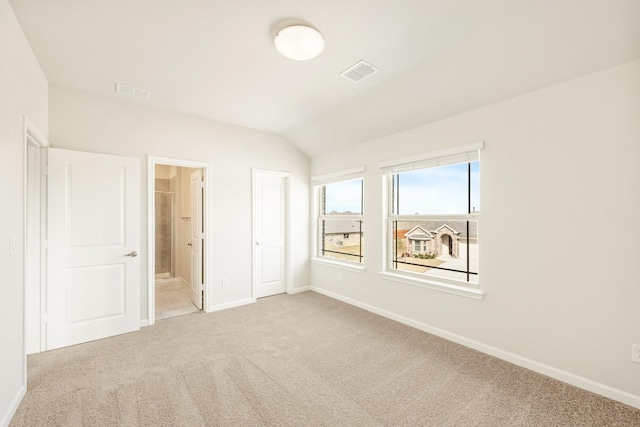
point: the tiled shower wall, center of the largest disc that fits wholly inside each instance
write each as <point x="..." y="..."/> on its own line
<point x="164" y="225"/>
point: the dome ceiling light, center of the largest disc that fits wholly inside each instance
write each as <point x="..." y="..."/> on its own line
<point x="299" y="42"/>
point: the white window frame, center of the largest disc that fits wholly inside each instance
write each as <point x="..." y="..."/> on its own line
<point x="318" y="182"/>
<point x="448" y="156"/>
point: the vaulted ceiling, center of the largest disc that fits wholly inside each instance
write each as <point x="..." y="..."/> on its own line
<point x="215" y="58"/>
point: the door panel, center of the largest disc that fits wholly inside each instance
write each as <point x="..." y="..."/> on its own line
<point x="270" y="192"/>
<point x="197" y="238"/>
<point x="93" y="286"/>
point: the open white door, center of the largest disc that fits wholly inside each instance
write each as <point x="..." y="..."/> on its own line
<point x="270" y="232"/>
<point x="197" y="238"/>
<point x="93" y="280"/>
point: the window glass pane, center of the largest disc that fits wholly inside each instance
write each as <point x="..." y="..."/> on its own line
<point x="342" y="239"/>
<point x="436" y="191"/>
<point x="343" y="198"/>
<point x="436" y="248"/>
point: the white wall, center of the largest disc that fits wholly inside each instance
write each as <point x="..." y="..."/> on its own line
<point x="560" y="164"/>
<point x="86" y="122"/>
<point x="24" y="92"/>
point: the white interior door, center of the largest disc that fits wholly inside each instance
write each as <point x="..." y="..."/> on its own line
<point x="93" y="280"/>
<point x="197" y="238"/>
<point x="270" y="219"/>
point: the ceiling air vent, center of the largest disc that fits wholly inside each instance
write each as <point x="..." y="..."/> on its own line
<point x="358" y="71"/>
<point x="132" y="91"/>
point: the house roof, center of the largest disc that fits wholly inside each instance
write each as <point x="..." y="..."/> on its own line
<point x="432" y="227"/>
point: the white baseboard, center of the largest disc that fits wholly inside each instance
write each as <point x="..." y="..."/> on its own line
<point x="298" y="290"/>
<point x="233" y="304"/>
<point x="541" y="368"/>
<point x="11" y="411"/>
<point x="144" y="323"/>
<point x="184" y="282"/>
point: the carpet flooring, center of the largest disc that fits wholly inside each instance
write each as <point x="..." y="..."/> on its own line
<point x="296" y="360"/>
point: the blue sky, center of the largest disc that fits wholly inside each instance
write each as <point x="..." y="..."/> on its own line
<point x="440" y="190"/>
<point x="432" y="191"/>
<point x="344" y="196"/>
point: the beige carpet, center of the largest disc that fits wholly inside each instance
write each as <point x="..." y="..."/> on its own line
<point x="302" y="360"/>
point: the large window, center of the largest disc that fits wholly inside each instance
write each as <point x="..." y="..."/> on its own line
<point x="434" y="214"/>
<point x="340" y="217"/>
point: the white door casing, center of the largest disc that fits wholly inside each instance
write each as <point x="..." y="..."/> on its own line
<point x="93" y="280"/>
<point x="197" y="238"/>
<point x="270" y="219"/>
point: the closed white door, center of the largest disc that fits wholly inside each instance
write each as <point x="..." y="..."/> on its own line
<point x="93" y="278"/>
<point x="270" y="246"/>
<point x="197" y="238"/>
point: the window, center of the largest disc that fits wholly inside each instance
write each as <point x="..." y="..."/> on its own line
<point x="340" y="218"/>
<point x="433" y="216"/>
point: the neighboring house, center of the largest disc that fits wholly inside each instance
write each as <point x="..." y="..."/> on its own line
<point x="439" y="238"/>
<point x="341" y="232"/>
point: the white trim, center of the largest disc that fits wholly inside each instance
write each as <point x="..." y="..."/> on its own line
<point x="299" y="290"/>
<point x="184" y="282"/>
<point x="287" y="240"/>
<point x="144" y="323"/>
<point x="458" y="149"/>
<point x="344" y="175"/>
<point x="358" y="268"/>
<point x="439" y="284"/>
<point x="30" y="137"/>
<point x="208" y="185"/>
<point x="8" y="416"/>
<point x="33" y="138"/>
<point x="558" y="374"/>
<point x="232" y="304"/>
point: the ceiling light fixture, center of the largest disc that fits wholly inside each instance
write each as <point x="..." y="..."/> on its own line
<point x="299" y="42"/>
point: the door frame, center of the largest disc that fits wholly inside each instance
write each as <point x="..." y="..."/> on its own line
<point x="152" y="161"/>
<point x="287" y="227"/>
<point x="33" y="138"/>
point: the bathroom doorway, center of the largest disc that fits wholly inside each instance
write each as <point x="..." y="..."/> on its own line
<point x="177" y="213"/>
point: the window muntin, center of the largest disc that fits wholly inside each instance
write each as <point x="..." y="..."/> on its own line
<point x="340" y="221"/>
<point x="433" y="221"/>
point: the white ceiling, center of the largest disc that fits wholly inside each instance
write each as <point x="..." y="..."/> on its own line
<point x="215" y="58"/>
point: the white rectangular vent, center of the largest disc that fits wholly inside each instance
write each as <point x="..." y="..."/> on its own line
<point x="358" y="71"/>
<point x="132" y="91"/>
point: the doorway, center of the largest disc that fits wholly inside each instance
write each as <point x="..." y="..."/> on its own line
<point x="176" y="216"/>
<point x="177" y="237"/>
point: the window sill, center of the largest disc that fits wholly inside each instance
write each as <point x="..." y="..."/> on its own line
<point x="434" y="284"/>
<point x="337" y="264"/>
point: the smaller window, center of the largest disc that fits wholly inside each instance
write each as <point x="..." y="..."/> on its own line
<point x="340" y="216"/>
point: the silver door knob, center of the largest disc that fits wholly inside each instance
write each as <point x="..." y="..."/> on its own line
<point x="257" y="243"/>
<point x="132" y="254"/>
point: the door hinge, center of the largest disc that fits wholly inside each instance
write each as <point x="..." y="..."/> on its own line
<point x="201" y="184"/>
<point x="45" y="319"/>
<point x="201" y="287"/>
